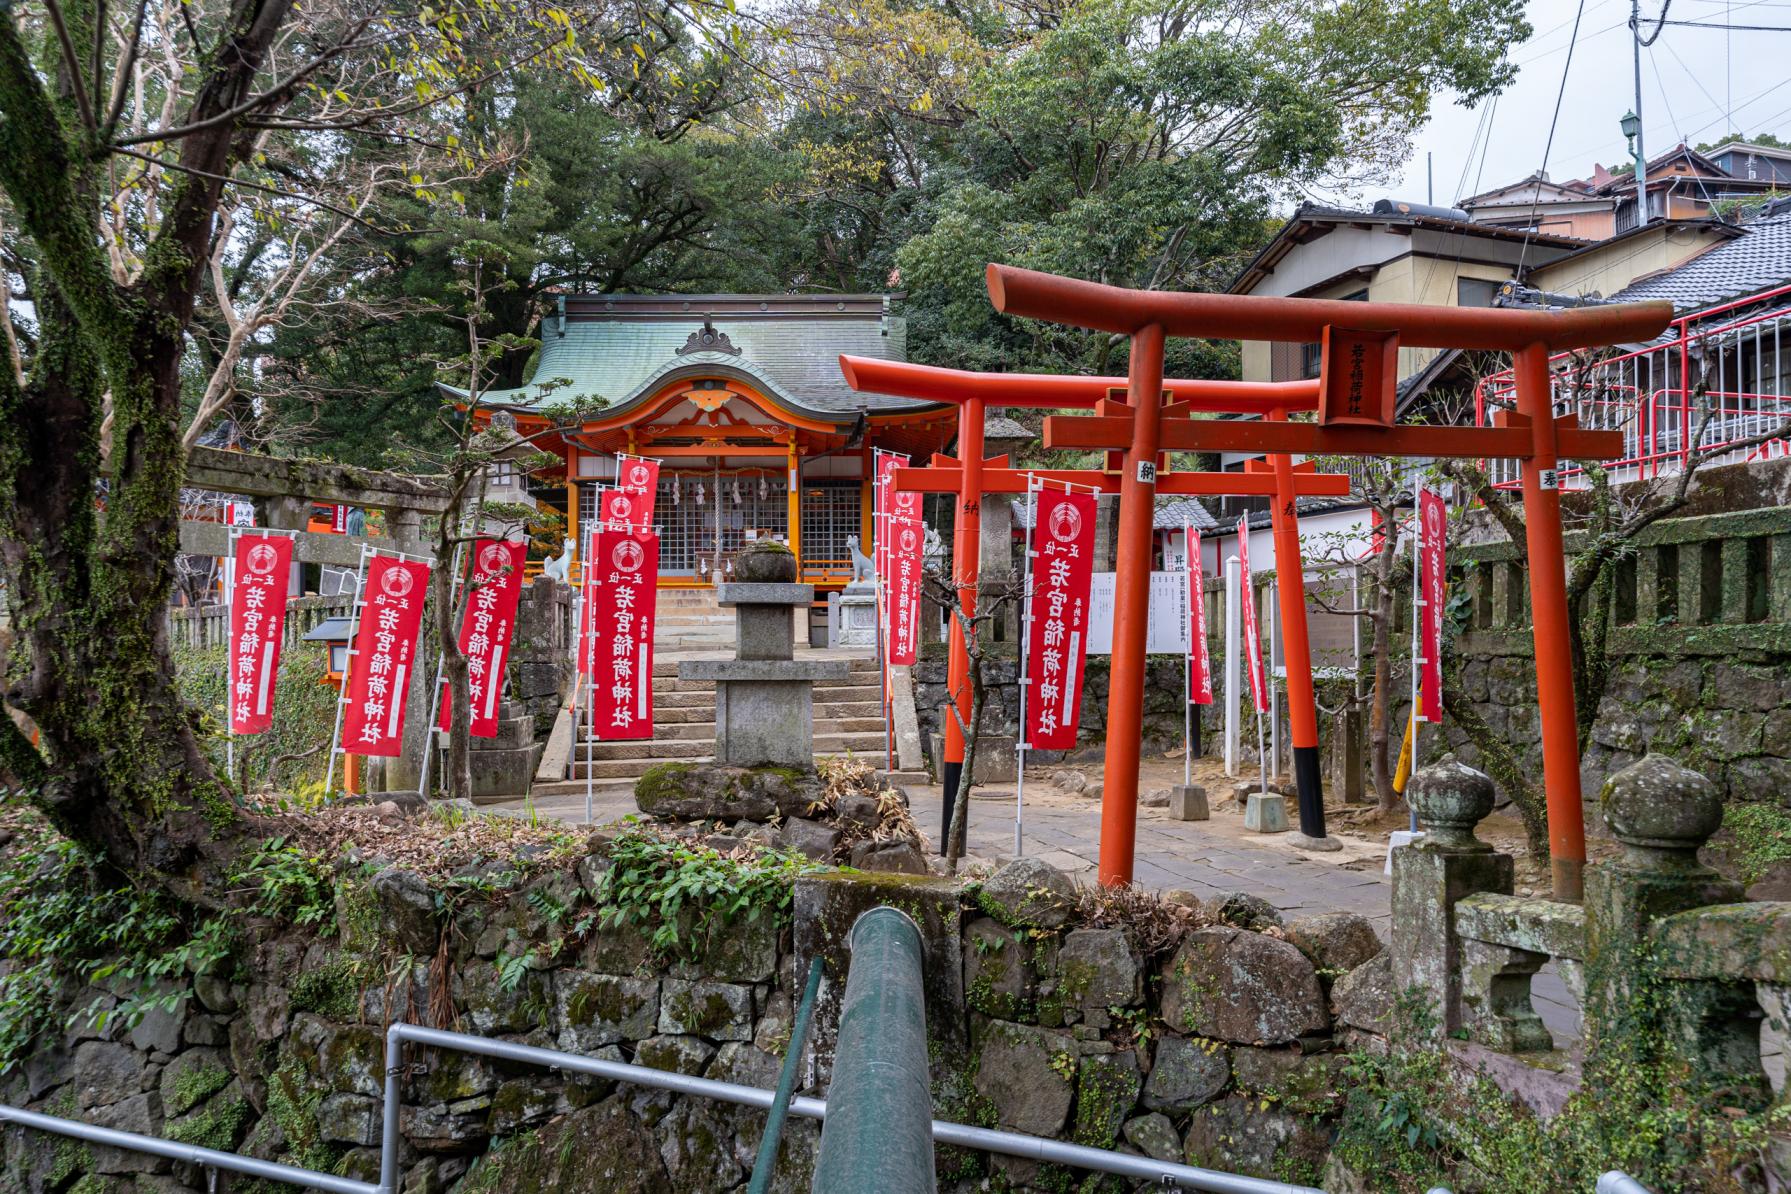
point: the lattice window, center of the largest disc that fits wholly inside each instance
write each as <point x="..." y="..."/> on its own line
<point x="830" y="515"/>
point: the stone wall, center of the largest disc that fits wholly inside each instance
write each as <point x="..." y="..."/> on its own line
<point x="1196" y="1034"/>
<point x="541" y="660"/>
<point x="1700" y="648"/>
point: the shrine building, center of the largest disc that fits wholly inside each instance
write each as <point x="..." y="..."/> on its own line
<point x="740" y="398"/>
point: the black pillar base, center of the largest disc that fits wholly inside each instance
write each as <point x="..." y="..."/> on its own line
<point x="949" y="777"/>
<point x="1309" y="779"/>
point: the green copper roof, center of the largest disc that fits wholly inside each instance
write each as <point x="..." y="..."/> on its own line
<point x="622" y="348"/>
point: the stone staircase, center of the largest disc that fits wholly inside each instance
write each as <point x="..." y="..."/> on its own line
<point x="686" y="619"/>
<point x="848" y="719"/>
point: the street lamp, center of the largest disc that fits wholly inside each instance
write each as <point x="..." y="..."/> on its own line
<point x="335" y="634"/>
<point x="1631" y="124"/>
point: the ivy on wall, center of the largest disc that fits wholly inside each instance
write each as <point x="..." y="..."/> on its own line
<point x="296" y="746"/>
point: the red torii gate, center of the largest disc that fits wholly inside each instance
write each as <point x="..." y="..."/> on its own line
<point x="970" y="477"/>
<point x="1359" y="342"/>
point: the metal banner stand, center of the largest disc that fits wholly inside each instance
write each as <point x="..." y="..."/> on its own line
<point x="1417" y="620"/>
<point x="435" y="693"/>
<point x="236" y="533"/>
<point x="590" y="693"/>
<point x="354" y="619"/>
<point x="1232" y="680"/>
<point x="1032" y="517"/>
<point x="1188" y="660"/>
<point x="354" y="625"/>
<point x="229" y="646"/>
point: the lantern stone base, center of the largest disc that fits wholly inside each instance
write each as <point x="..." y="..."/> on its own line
<point x="852" y="618"/>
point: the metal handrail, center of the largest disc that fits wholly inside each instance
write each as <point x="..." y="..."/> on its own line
<point x="1012" y="1144"/>
<point x="766" y="1162"/>
<point x="191" y="1154"/>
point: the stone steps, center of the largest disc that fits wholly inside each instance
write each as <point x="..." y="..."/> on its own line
<point x="826" y="728"/>
<point x="690" y="748"/>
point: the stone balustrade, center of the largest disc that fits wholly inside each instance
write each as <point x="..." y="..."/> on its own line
<point x="1663" y="954"/>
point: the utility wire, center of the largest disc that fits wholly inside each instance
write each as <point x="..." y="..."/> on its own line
<point x="1549" y="145"/>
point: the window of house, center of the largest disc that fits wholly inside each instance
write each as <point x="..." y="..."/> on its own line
<point x="1475" y="292"/>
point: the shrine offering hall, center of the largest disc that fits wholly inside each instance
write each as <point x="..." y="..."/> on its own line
<point x="740" y="399"/>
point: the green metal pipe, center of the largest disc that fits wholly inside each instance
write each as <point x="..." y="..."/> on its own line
<point x="786" y="1085"/>
<point x="878" y="1134"/>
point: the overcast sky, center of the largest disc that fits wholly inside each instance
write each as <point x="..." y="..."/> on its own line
<point x="1692" y="80"/>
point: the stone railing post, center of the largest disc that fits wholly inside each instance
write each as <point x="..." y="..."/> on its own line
<point x="1431" y="875"/>
<point x="1662" y="814"/>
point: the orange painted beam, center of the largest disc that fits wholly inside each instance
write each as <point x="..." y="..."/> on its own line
<point x="1076" y="303"/>
<point x="904" y="379"/>
<point x="1086" y="432"/>
<point x="1249" y="484"/>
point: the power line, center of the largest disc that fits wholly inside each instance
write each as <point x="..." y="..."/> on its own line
<point x="1549" y="145"/>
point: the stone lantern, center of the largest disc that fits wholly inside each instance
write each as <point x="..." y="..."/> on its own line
<point x="764" y="697"/>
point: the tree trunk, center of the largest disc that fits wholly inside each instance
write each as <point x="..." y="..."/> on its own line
<point x="1380" y="711"/>
<point x="960" y="801"/>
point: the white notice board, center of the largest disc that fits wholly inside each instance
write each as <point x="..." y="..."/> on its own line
<point x="1168" y="632"/>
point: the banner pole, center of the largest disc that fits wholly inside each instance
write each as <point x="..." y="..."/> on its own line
<point x="1188" y="661"/>
<point x="435" y="693"/>
<point x="354" y="625"/>
<point x="229" y="652"/>
<point x="1417" y="621"/>
<point x="589" y="657"/>
<point x="1032" y="519"/>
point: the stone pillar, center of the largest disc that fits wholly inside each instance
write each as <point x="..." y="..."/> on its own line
<point x="287" y="514"/>
<point x="1662" y="814"/>
<point x="1431" y="875"/>
<point x="764" y="699"/>
<point x="995" y="560"/>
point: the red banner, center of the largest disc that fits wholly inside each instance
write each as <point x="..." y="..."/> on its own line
<point x="907" y="551"/>
<point x="1259" y="681"/>
<point x="586" y="604"/>
<point x="385" y="656"/>
<point x="261" y="579"/>
<point x="487" y="628"/>
<point x="882" y="510"/>
<point x="638" y="477"/>
<point x="1200" y="672"/>
<point x="1433" y="523"/>
<point x="619" y="510"/>
<point x="1057" y="631"/>
<point x="624" y="580"/>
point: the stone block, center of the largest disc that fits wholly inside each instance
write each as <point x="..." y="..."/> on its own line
<point x="1098" y="969"/>
<point x="1185" y="1074"/>
<point x="826" y="906"/>
<point x="765" y="723"/>
<point x="1242" y="910"/>
<point x="1266" y="813"/>
<point x="694" y="1007"/>
<point x="1243" y="987"/>
<point x="998" y="978"/>
<point x="1187" y="802"/>
<point x="1364" y="998"/>
<point x="706" y="792"/>
<point x="1028" y="893"/>
<point x="348" y="1119"/>
<point x="593" y="1010"/>
<point x="1027" y="1075"/>
<point x="502" y="774"/>
<point x="1335" y="941"/>
<point x="899" y="858"/>
<point x="1106" y="1091"/>
<point x="1154" y="1136"/>
<point x="676" y="1054"/>
<point x="737" y="593"/>
<point x="809" y="838"/>
<point x="1238" y="1134"/>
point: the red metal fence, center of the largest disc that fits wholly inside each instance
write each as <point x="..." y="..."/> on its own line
<point x="1714" y="379"/>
